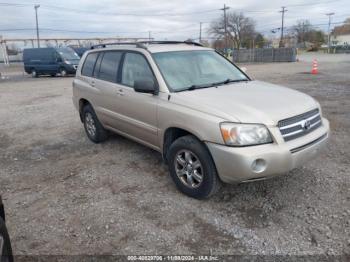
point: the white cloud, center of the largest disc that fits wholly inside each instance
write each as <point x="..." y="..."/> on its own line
<point x="103" y="17"/>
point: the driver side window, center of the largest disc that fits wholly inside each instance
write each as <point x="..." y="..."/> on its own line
<point x="135" y="68"/>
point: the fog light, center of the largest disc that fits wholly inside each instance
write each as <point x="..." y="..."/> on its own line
<point x="259" y="165"/>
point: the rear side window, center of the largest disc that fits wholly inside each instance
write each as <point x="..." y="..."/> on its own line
<point x="109" y="66"/>
<point x="97" y="65"/>
<point x="89" y="64"/>
<point x="135" y="67"/>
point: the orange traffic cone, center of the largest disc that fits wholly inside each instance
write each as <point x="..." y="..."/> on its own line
<point x="314" y="70"/>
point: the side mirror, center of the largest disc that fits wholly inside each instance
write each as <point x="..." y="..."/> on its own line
<point x="58" y="59"/>
<point x="145" y="86"/>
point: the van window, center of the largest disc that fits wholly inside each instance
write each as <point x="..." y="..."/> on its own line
<point x="109" y="66"/>
<point x="89" y="64"/>
<point x="135" y="68"/>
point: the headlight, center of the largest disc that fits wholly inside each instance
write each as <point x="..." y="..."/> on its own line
<point x="245" y="134"/>
<point x="67" y="62"/>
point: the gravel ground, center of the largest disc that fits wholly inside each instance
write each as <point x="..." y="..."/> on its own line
<point x="65" y="195"/>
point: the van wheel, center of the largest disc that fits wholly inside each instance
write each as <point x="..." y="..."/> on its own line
<point x="192" y="168"/>
<point x="63" y="72"/>
<point x="34" y="73"/>
<point x="6" y="248"/>
<point x="93" y="128"/>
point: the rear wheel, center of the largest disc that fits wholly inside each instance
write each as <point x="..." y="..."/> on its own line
<point x="34" y="73"/>
<point x="192" y="168"/>
<point x="93" y="128"/>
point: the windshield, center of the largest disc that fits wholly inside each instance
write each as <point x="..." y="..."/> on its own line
<point x="186" y="70"/>
<point x="68" y="54"/>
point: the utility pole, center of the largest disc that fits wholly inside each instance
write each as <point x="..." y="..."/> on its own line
<point x="225" y="25"/>
<point x="329" y="30"/>
<point x="200" y="32"/>
<point x="37" y="24"/>
<point x="282" y="28"/>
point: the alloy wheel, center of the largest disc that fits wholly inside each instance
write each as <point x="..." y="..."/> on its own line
<point x="90" y="124"/>
<point x="188" y="168"/>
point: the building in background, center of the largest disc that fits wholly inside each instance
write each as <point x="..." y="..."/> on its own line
<point x="341" y="34"/>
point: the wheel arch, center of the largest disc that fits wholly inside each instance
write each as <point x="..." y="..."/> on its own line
<point x="82" y="103"/>
<point x="173" y="133"/>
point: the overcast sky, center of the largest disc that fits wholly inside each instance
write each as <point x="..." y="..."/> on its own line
<point x="176" y="19"/>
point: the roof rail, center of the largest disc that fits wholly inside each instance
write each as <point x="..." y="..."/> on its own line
<point x="170" y="42"/>
<point x="137" y="44"/>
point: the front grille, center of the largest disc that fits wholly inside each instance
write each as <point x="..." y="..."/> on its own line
<point x="300" y="125"/>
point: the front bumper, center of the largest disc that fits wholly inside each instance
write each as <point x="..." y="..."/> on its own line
<point x="243" y="164"/>
<point x="71" y="69"/>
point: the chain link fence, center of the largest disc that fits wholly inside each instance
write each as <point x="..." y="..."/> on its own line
<point x="264" y="55"/>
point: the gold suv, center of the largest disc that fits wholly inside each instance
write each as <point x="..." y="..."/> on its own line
<point x="208" y="119"/>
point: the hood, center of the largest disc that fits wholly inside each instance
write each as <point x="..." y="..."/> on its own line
<point x="248" y="102"/>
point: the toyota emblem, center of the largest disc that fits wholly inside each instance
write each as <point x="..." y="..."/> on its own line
<point x="306" y="125"/>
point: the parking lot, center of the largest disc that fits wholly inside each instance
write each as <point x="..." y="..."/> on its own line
<point x="66" y="195"/>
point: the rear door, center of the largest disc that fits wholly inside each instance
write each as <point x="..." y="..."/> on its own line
<point x="105" y="78"/>
<point x="137" y="111"/>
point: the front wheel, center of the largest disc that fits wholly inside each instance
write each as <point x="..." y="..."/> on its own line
<point x="192" y="168"/>
<point x="63" y="72"/>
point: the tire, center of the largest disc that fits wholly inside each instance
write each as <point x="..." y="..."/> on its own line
<point x="6" y="250"/>
<point x="34" y="73"/>
<point x="93" y="127"/>
<point x="189" y="150"/>
<point x="63" y="72"/>
<point x="52" y="75"/>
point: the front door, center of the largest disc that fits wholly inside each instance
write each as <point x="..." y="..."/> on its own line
<point x="138" y="110"/>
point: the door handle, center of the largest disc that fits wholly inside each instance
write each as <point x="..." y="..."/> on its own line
<point x="92" y="83"/>
<point x="120" y="92"/>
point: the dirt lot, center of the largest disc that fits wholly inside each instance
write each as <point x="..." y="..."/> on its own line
<point x="65" y="195"/>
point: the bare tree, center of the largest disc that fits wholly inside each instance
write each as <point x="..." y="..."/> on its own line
<point x="305" y="32"/>
<point x="301" y="31"/>
<point x="240" y="29"/>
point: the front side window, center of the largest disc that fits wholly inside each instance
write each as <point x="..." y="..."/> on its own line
<point x="89" y="64"/>
<point x="109" y="66"/>
<point x="135" y="68"/>
<point x="185" y="69"/>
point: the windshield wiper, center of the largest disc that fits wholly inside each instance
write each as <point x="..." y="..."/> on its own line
<point x="194" y="87"/>
<point x="227" y="81"/>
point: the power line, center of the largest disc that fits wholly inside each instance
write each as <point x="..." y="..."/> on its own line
<point x="60" y="8"/>
<point x="314" y="3"/>
<point x="90" y="32"/>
